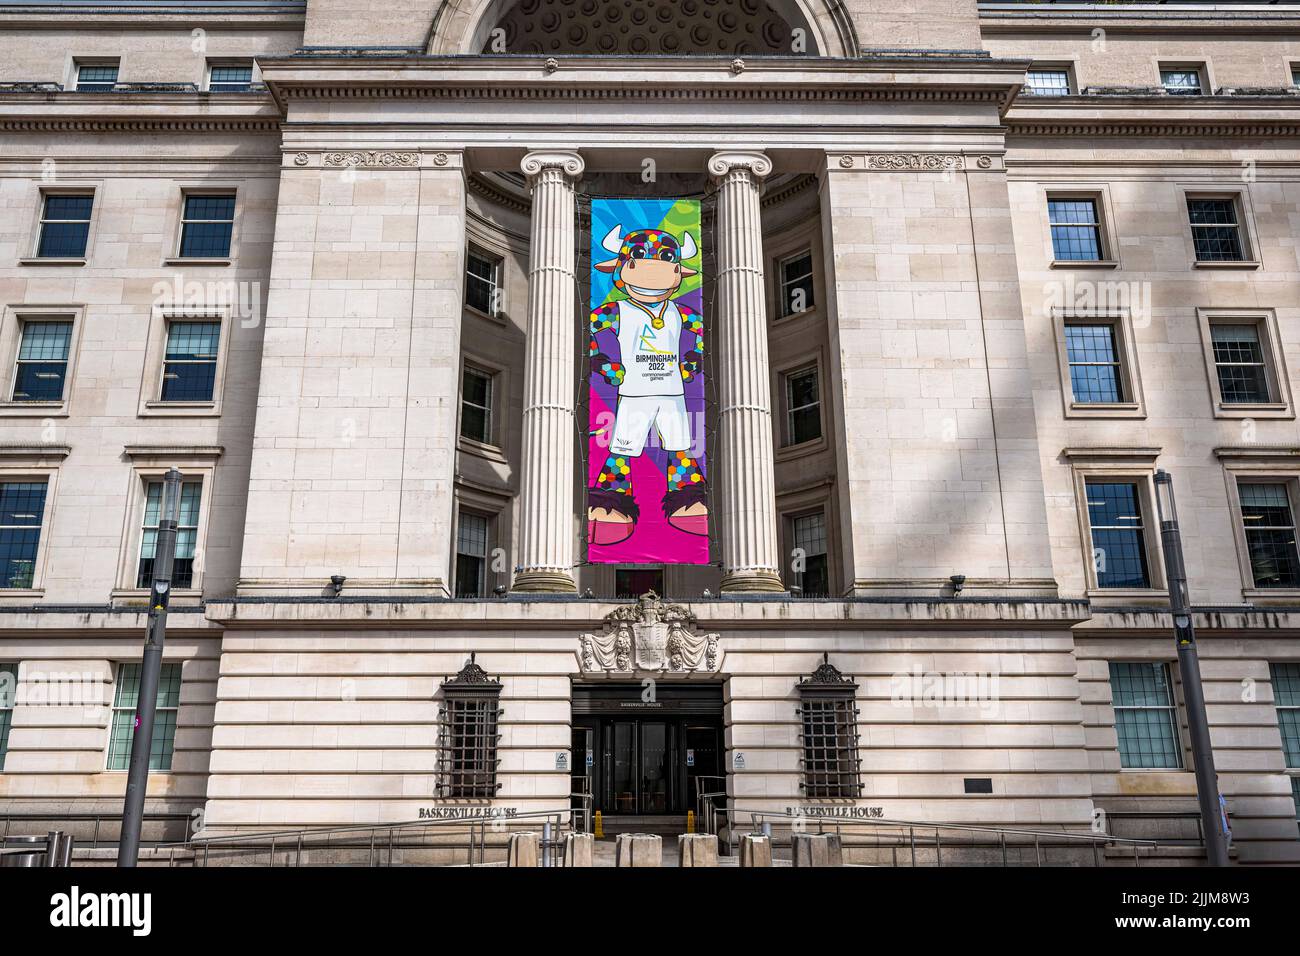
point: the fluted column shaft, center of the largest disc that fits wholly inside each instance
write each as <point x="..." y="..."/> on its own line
<point x="747" y="525"/>
<point x="546" y="476"/>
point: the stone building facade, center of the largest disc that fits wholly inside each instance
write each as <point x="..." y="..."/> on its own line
<point x="975" y="272"/>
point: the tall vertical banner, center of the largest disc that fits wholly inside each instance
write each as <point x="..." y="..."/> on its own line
<point x="647" y="493"/>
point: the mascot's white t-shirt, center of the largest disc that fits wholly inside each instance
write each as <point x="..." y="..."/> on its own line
<point x="650" y="356"/>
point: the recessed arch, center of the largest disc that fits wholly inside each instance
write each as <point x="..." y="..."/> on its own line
<point x="614" y="27"/>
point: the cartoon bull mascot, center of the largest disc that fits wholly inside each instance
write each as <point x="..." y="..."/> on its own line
<point x="647" y="346"/>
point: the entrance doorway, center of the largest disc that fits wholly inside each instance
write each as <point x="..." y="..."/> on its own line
<point x="643" y="756"/>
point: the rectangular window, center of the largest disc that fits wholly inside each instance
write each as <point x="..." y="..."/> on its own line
<point x="1181" y="81"/>
<point x="472" y="533"/>
<point x="1295" y="77"/>
<point x="1145" y="719"/>
<point x="126" y="698"/>
<point x="187" y="534"/>
<point x="22" y="507"/>
<point x="1076" y="230"/>
<point x="1239" y="364"/>
<point x="1216" y="232"/>
<point x="207" y="223"/>
<point x="230" y="78"/>
<point x="809" y="535"/>
<point x="476" y="405"/>
<point x="1096" y="376"/>
<point x="42" y="361"/>
<point x="1286" y="697"/>
<point x="1270" y="534"/>
<point x="828" y="730"/>
<point x="8" y="693"/>
<point x="65" y="225"/>
<point x="803" y="406"/>
<point x="797" y="284"/>
<point x="467" y="744"/>
<point x="96" y="77"/>
<point x="483" y="282"/>
<point x="631" y="583"/>
<point x="1118" y="539"/>
<point x="190" y="361"/>
<point x="1048" y="82"/>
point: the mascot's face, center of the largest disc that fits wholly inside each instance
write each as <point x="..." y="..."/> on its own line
<point x="648" y="266"/>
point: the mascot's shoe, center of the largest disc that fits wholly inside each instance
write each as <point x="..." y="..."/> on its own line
<point x="611" y="516"/>
<point x="692" y="499"/>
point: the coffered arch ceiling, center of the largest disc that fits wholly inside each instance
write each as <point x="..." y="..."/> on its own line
<point x="641" y="27"/>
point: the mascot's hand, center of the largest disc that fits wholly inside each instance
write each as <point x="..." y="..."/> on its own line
<point x="599" y="361"/>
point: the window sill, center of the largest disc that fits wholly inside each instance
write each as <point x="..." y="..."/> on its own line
<point x="159" y="409"/>
<point x="1156" y="596"/>
<point x="1251" y="410"/>
<point x="51" y="261"/>
<point x="789" y="316"/>
<point x="1105" y="410"/>
<point x="802" y="449"/>
<point x="1085" y="264"/>
<point x="500" y="318"/>
<point x="1287" y="595"/>
<point x="196" y="261"/>
<point x="128" y="597"/>
<point x="481" y="450"/>
<point x="1238" y="264"/>
<point x="22" y="595"/>
<point x="34" y="409"/>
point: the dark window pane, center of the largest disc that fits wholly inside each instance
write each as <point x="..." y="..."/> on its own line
<point x="1076" y="233"/>
<point x="1216" y="235"/>
<point x="633" y="582"/>
<point x="1270" y="534"/>
<point x="469" y="575"/>
<point x="805" y="424"/>
<point x="92" y="79"/>
<point x="63" y="240"/>
<point x="476" y="406"/>
<point x="63" y="206"/>
<point x="797" y="284"/>
<point x="1185" y="82"/>
<point x="210" y="207"/>
<point x="190" y="364"/>
<point x="1119" y="548"/>
<point x="22" y="507"/>
<point x="481" y="283"/>
<point x="205" y="240"/>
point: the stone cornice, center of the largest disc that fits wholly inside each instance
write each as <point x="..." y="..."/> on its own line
<point x="1093" y="128"/>
<point x="68" y="112"/>
<point x="1156" y="116"/>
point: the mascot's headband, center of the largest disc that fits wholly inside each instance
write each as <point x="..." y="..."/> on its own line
<point x="646" y="244"/>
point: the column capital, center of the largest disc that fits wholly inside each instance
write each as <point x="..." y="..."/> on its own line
<point x="756" y="162"/>
<point x="538" y="160"/>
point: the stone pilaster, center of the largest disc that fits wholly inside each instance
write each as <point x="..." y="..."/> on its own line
<point x="546" y="536"/>
<point x="747" y="505"/>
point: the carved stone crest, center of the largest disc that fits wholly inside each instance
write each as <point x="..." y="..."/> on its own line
<point x="377" y="158"/>
<point x="649" y="636"/>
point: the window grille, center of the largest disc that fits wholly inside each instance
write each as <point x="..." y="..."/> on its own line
<point x="832" y="768"/>
<point x="468" y="735"/>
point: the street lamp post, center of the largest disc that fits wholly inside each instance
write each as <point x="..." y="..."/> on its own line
<point x="137" y="779"/>
<point x="1207" y="782"/>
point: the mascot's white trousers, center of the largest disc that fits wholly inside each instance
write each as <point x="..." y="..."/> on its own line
<point x="637" y="414"/>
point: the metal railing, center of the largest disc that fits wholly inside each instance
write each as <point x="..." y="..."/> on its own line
<point x="710" y="804"/>
<point x="916" y="843"/>
<point x="437" y="842"/>
<point x="110" y="821"/>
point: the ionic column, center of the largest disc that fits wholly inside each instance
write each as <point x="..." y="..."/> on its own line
<point x="546" y="477"/>
<point x="747" y="523"/>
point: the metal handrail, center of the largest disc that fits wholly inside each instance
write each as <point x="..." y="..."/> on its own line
<point x="382" y="838"/>
<point x="907" y="831"/>
<point x="41" y="816"/>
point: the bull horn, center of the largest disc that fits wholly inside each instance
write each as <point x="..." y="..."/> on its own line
<point x="688" y="247"/>
<point x="613" y="241"/>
